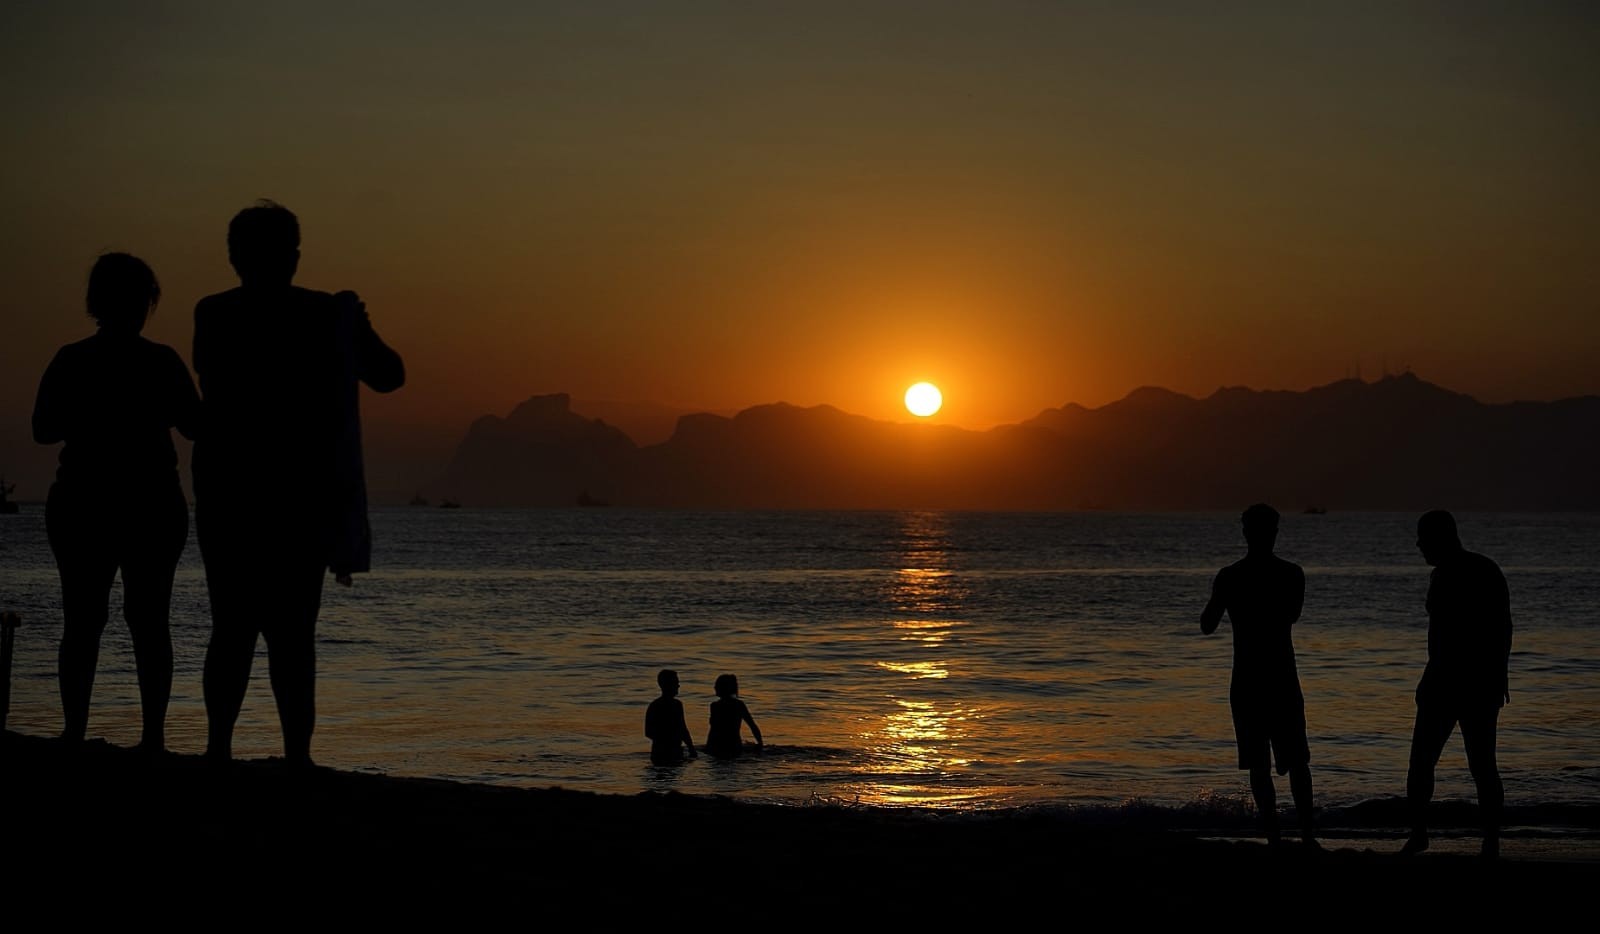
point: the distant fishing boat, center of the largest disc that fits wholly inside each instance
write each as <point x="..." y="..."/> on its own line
<point x="1316" y="510"/>
<point x="419" y="500"/>
<point x="584" y="499"/>
<point x="449" y="504"/>
<point x="7" y="506"/>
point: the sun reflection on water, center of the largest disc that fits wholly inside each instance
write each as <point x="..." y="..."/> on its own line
<point x="920" y="731"/>
<point x="926" y="631"/>
<point x="915" y="752"/>
<point x="917" y="669"/>
<point x="924" y="590"/>
<point x="915" y="749"/>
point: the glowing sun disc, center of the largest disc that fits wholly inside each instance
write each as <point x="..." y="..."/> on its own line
<point x="923" y="399"/>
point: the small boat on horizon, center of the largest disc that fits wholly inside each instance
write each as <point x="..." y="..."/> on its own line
<point x="1315" y="510"/>
<point x="419" y="500"/>
<point x="449" y="504"/>
<point x="584" y="499"/>
<point x="8" y="506"/>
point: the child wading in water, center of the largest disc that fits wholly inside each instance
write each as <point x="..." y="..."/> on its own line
<point x="664" y="724"/>
<point x="726" y="711"/>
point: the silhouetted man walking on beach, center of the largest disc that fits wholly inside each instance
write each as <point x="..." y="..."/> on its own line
<point x="1467" y="678"/>
<point x="1262" y="595"/>
<point x="279" y="494"/>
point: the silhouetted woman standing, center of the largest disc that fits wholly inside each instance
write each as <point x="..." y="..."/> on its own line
<point x="116" y="503"/>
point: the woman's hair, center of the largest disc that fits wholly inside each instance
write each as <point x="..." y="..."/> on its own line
<point x="123" y="291"/>
<point x="727" y="685"/>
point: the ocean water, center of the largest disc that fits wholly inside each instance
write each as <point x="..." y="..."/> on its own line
<point x="956" y="660"/>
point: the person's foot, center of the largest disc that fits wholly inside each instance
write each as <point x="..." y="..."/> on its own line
<point x="1416" y="843"/>
<point x="1491" y="848"/>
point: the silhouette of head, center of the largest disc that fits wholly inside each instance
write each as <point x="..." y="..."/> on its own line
<point x="727" y="685"/>
<point x="1437" y="537"/>
<point x="264" y="245"/>
<point x="123" y="292"/>
<point x="668" y="679"/>
<point x="1260" y="527"/>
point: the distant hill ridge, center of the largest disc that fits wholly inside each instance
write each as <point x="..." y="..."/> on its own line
<point x="1397" y="443"/>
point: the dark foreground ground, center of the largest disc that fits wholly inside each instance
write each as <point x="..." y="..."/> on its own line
<point x="103" y="831"/>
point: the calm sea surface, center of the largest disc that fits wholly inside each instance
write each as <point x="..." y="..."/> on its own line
<point x="947" y="659"/>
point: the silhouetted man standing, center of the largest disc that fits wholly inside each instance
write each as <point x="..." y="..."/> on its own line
<point x="1262" y="595"/>
<point x="279" y="494"/>
<point x="1466" y="681"/>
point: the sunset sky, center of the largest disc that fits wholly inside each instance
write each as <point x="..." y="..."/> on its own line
<point x="719" y="205"/>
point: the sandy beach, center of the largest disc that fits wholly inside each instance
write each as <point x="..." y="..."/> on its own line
<point x="107" y="821"/>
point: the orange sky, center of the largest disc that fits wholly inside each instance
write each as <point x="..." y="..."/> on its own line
<point x="718" y="205"/>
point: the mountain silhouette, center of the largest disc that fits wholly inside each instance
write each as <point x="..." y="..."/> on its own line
<point x="542" y="454"/>
<point x="644" y="422"/>
<point x="1398" y="443"/>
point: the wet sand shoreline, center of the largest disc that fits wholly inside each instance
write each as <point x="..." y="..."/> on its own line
<point x="105" y="819"/>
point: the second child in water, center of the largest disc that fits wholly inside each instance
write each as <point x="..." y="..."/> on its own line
<point x="726" y="713"/>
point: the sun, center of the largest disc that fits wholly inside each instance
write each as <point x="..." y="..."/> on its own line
<point x="923" y="399"/>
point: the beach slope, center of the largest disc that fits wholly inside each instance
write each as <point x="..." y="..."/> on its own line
<point x="112" y="827"/>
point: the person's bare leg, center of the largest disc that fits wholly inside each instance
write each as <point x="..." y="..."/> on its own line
<point x="152" y="658"/>
<point x="229" y="656"/>
<point x="87" y="569"/>
<point x="1266" y="801"/>
<point x="292" y="660"/>
<point x="76" y="661"/>
<point x="1300" y="785"/>
<point x="1428" y="736"/>
<point x="292" y="665"/>
<point x="85" y="595"/>
<point x="1478" y="732"/>
<point x="146" y="605"/>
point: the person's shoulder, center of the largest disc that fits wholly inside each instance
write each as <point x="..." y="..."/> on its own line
<point x="161" y="358"/>
<point x="1288" y="567"/>
<point x="225" y="297"/>
<point x="64" y="359"/>
<point x="1481" y="564"/>
<point x="163" y="352"/>
<point x="311" y="298"/>
<point x="1464" y="563"/>
<point x="95" y="349"/>
<point x="217" y="302"/>
<point x="75" y="349"/>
